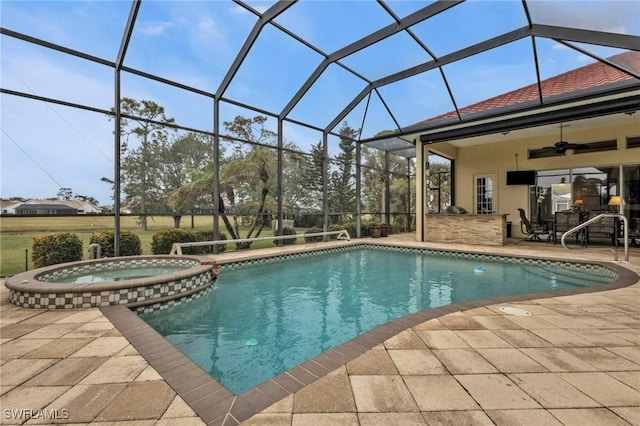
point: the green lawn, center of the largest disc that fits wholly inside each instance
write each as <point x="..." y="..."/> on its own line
<point x="17" y="233"/>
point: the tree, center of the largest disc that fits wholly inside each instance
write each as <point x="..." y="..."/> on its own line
<point x="163" y="162"/>
<point x="375" y="176"/>
<point x="245" y="177"/>
<point x="295" y="193"/>
<point x="257" y="166"/>
<point x="65" y="194"/>
<point x="402" y="190"/>
<point x="248" y="175"/>
<point x="342" y="195"/>
<point x="141" y="166"/>
<point x="87" y="198"/>
<point x="439" y="186"/>
<point x="187" y="153"/>
<point x="312" y="176"/>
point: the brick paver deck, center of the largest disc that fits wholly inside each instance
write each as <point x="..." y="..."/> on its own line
<point x="575" y="360"/>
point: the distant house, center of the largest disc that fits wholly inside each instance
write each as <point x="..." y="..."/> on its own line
<point x="51" y="207"/>
<point x="83" y="207"/>
<point x="45" y="208"/>
<point x="8" y="207"/>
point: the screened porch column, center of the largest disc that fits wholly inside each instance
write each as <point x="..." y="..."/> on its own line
<point x="420" y="189"/>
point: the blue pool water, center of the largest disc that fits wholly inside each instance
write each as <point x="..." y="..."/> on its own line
<point x="263" y="319"/>
<point x="115" y="273"/>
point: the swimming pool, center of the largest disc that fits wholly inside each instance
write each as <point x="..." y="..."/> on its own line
<point x="265" y="317"/>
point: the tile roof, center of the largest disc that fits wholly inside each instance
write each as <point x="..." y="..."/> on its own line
<point x="587" y="77"/>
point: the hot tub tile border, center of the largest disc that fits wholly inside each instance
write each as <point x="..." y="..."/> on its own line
<point x="43" y="295"/>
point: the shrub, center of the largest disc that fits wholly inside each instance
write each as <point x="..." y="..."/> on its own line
<point x="349" y="225"/>
<point x="56" y="248"/>
<point x="287" y="231"/>
<point x="162" y="242"/>
<point x="208" y="236"/>
<point x="313" y="239"/>
<point x="396" y="228"/>
<point x="365" y="230"/>
<point x="308" y="220"/>
<point x="129" y="243"/>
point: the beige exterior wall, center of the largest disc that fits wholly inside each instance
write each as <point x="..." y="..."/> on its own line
<point x="499" y="157"/>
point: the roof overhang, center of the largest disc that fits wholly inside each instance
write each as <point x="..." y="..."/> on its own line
<point x="615" y="102"/>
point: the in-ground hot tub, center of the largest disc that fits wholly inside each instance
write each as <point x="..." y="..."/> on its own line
<point x="134" y="281"/>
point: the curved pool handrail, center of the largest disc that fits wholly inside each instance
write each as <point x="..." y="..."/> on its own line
<point x="594" y="219"/>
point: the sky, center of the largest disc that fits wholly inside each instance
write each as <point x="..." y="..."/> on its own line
<point x="46" y="146"/>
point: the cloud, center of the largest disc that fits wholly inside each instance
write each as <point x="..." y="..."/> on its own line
<point x="156" y="28"/>
<point x="207" y="26"/>
<point x="46" y="144"/>
<point x="208" y="35"/>
<point x="620" y="16"/>
<point x="44" y="75"/>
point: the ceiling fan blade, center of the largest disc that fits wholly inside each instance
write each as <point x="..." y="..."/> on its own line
<point x="608" y="145"/>
<point x="547" y="151"/>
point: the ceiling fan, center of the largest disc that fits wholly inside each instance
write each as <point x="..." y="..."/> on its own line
<point x="558" y="148"/>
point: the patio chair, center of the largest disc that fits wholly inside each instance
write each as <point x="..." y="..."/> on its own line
<point x="566" y="220"/>
<point x="605" y="227"/>
<point x="533" y="231"/>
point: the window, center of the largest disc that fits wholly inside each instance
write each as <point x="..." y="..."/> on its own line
<point x="560" y="197"/>
<point x="633" y="142"/>
<point x="485" y="194"/>
<point x="558" y="190"/>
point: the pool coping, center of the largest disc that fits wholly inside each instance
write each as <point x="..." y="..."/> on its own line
<point x="212" y="402"/>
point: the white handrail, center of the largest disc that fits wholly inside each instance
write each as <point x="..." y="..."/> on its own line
<point x="615" y="230"/>
<point x="177" y="247"/>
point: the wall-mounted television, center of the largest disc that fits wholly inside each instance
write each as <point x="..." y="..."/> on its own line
<point x="521" y="177"/>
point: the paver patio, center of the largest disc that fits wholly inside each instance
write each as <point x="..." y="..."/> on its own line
<point x="575" y="360"/>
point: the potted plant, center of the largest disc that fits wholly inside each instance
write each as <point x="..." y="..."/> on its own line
<point x="384" y="230"/>
<point x="375" y="229"/>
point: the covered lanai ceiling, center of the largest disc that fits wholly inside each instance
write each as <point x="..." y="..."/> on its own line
<point x="401" y="68"/>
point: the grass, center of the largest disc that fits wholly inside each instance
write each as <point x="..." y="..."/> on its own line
<point x="17" y="233"/>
